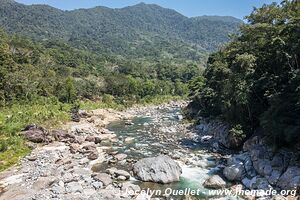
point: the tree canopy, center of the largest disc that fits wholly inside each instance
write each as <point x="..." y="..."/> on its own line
<point x="255" y="80"/>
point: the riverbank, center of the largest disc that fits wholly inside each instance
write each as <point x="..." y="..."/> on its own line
<point x="94" y="158"/>
<point x="49" y="113"/>
<point x="256" y="166"/>
<point x="76" y="160"/>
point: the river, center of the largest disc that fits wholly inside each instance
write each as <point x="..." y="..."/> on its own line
<point x="162" y="131"/>
<point x="63" y="169"/>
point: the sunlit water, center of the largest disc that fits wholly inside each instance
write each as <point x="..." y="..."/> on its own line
<point x="147" y="132"/>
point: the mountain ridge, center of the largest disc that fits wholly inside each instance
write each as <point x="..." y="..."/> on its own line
<point x="122" y="31"/>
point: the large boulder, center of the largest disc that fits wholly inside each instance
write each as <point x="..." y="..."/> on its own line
<point x="235" y="172"/>
<point x="259" y="183"/>
<point x="160" y="169"/>
<point x="290" y="179"/>
<point x="214" y="182"/>
<point x="36" y="134"/>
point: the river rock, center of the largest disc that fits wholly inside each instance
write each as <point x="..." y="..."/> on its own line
<point x="36" y="135"/>
<point x="84" y="114"/>
<point x="130" y="188"/>
<point x="179" y="117"/>
<point x="93" y="155"/>
<point x="234" y="172"/>
<point x="74" y="148"/>
<point x="58" y="134"/>
<point x="160" y="169"/>
<point x="74" y="187"/>
<point x="129" y="139"/>
<point x="44" y="182"/>
<point x="259" y="183"/>
<point x="290" y="179"/>
<point x="206" y="138"/>
<point x="120" y="156"/>
<point x="31" y="158"/>
<point x="108" y="136"/>
<point x="89" y="147"/>
<point x="246" y="182"/>
<point x="104" y="178"/>
<point x="84" y="128"/>
<point x="97" y="184"/>
<point x="129" y="123"/>
<point x="90" y="138"/>
<point x="97" y="140"/>
<point x="235" y="189"/>
<point x="214" y="182"/>
<point x="117" y="173"/>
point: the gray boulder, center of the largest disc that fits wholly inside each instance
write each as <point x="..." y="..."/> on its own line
<point x="235" y="172"/>
<point x="74" y="187"/>
<point x="36" y="134"/>
<point x="275" y="175"/>
<point x="117" y="173"/>
<point x="104" y="178"/>
<point x="160" y="169"/>
<point x="290" y="179"/>
<point x="259" y="183"/>
<point x="214" y="182"/>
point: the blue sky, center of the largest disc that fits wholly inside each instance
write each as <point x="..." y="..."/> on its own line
<point x="190" y="8"/>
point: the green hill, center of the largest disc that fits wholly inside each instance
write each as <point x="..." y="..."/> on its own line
<point x="143" y="30"/>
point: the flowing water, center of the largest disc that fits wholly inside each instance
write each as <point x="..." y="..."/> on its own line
<point x="159" y="131"/>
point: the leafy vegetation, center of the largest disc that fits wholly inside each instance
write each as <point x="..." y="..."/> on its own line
<point x="255" y="80"/>
<point x="140" y="31"/>
<point x="31" y="69"/>
<point x="46" y="111"/>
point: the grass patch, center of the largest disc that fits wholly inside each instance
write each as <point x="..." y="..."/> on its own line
<point x="16" y="149"/>
<point x="92" y="105"/>
<point x="46" y="112"/>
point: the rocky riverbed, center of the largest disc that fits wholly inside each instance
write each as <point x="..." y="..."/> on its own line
<point x="116" y="155"/>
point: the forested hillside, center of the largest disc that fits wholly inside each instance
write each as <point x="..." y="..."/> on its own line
<point x="143" y="30"/>
<point x="255" y="80"/>
<point x="31" y="69"/>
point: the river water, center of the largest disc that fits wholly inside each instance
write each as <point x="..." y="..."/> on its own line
<point x="160" y="131"/>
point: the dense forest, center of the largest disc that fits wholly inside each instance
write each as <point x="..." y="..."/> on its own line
<point x="133" y="52"/>
<point x="140" y="31"/>
<point x="30" y="69"/>
<point x="255" y="80"/>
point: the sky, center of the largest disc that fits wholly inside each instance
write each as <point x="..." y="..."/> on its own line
<point x="190" y="8"/>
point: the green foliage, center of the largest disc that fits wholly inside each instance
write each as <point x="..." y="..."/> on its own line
<point x="49" y="112"/>
<point x="147" y="31"/>
<point x="16" y="149"/>
<point x="156" y="100"/>
<point x="70" y="92"/>
<point x="254" y="81"/>
<point x="31" y="69"/>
